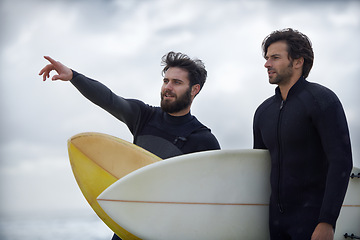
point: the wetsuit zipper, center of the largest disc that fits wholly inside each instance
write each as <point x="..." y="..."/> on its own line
<point x="280" y="156"/>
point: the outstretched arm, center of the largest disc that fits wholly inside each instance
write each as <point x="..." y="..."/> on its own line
<point x="63" y="72"/>
<point x="126" y="110"/>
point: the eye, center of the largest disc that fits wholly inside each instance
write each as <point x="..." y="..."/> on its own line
<point x="165" y="80"/>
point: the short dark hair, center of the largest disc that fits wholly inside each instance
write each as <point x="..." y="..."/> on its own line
<point x="298" y="44"/>
<point x="195" y="67"/>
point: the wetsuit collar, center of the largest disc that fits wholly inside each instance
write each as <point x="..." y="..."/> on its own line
<point x="178" y="120"/>
<point x="295" y="88"/>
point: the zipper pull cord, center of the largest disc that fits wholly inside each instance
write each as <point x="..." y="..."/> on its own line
<point x="282" y="104"/>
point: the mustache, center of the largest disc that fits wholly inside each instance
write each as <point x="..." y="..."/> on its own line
<point x="168" y="93"/>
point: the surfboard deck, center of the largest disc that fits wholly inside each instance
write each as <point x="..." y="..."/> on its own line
<point x="220" y="194"/>
<point x="97" y="161"/>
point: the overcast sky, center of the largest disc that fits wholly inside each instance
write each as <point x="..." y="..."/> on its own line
<point x="120" y="43"/>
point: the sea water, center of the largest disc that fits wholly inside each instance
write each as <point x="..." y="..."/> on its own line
<point x="73" y="226"/>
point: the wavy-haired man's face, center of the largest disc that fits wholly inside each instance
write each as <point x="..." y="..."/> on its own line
<point x="279" y="67"/>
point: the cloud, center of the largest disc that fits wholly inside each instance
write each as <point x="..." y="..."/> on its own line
<point x="121" y="44"/>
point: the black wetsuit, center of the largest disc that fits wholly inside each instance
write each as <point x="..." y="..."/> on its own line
<point x="308" y="139"/>
<point x="153" y="129"/>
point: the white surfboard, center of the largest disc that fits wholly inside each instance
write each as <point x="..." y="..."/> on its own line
<point x="220" y="194"/>
<point x="348" y="223"/>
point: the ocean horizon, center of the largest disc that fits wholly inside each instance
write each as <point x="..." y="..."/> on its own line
<point x="73" y="225"/>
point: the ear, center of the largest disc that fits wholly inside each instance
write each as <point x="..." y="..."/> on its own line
<point x="195" y="89"/>
<point x="298" y="63"/>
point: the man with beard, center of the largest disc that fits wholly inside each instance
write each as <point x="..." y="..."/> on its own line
<point x="166" y="131"/>
<point x="305" y="129"/>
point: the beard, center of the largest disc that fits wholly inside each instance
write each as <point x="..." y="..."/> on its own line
<point x="283" y="76"/>
<point x="180" y="103"/>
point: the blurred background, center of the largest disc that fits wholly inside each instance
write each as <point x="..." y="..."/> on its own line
<point x="120" y="43"/>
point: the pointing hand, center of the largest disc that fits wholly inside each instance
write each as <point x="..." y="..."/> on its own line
<point x="63" y="73"/>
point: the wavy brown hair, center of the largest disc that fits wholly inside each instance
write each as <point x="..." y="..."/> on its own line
<point x="195" y="67"/>
<point x="298" y="44"/>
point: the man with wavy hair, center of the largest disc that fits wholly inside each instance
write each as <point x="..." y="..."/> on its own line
<point x="166" y="131"/>
<point x="305" y="129"/>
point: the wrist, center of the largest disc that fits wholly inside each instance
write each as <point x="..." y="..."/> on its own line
<point x="73" y="74"/>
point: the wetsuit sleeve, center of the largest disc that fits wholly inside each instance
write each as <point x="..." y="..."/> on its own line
<point x="333" y="130"/>
<point x="127" y="111"/>
<point x="258" y="142"/>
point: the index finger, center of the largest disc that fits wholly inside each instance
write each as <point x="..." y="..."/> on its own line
<point x="50" y="60"/>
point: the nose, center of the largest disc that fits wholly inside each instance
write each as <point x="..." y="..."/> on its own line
<point x="267" y="64"/>
<point x="167" y="86"/>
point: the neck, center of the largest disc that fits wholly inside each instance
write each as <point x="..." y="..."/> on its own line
<point x="285" y="88"/>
